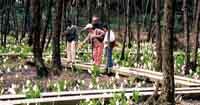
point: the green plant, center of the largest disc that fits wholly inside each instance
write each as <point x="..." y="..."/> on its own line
<point x="179" y="60"/>
<point x="118" y="99"/>
<point x="136" y="96"/>
<point x="95" y="71"/>
<point x="33" y="91"/>
<point x="91" y="102"/>
<point x="60" y="85"/>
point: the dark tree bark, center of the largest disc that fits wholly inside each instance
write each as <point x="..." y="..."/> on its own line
<point x="15" y="22"/>
<point x="167" y="53"/>
<point x="49" y="39"/>
<point x="128" y="23"/>
<point x="186" y="33"/>
<point x="1" y="28"/>
<point x="103" y="10"/>
<point x="56" y="35"/>
<point x="27" y="25"/>
<point x="36" y="28"/>
<point x="78" y="12"/>
<point x="43" y="40"/>
<point x="1" y="20"/>
<point x="195" y="9"/>
<point x="119" y="20"/>
<point x="125" y="36"/>
<point x="150" y="28"/>
<point x="196" y="33"/>
<point x="145" y="13"/>
<point x="7" y="24"/>
<point x="89" y="10"/>
<point x="138" y="26"/>
<point x="26" y="19"/>
<point x="158" y="36"/>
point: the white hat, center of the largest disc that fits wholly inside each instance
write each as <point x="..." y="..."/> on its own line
<point x="88" y="26"/>
<point x="95" y="18"/>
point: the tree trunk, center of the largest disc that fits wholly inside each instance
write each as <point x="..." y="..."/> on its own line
<point x="89" y="10"/>
<point x="167" y="53"/>
<point x="26" y="19"/>
<point x="150" y="28"/>
<point x="186" y="33"/>
<point x="36" y="28"/>
<point x="128" y="22"/>
<point x="49" y="39"/>
<point x="125" y="35"/>
<point x="56" y="35"/>
<point x="2" y="26"/>
<point x="78" y="12"/>
<point x="103" y="14"/>
<point x="43" y="40"/>
<point x="3" y="12"/>
<point x="7" y="24"/>
<point x="195" y="9"/>
<point x="158" y="37"/>
<point x="138" y="26"/>
<point x="119" y="19"/>
<point x="28" y="26"/>
<point x="15" y="22"/>
<point x="196" y="33"/>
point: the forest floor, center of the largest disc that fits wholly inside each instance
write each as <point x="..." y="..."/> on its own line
<point x="16" y="78"/>
<point x="19" y="79"/>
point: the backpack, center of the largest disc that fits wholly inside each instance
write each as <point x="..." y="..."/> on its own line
<point x="71" y="34"/>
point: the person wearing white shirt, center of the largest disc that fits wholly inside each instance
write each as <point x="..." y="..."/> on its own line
<point x="109" y="43"/>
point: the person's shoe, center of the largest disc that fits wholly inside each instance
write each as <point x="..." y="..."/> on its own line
<point x="109" y="71"/>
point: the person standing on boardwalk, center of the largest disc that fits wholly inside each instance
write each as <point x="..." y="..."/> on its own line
<point x="71" y="38"/>
<point x="109" y="43"/>
<point x="95" y="37"/>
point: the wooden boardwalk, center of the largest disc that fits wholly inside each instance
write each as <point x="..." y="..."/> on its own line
<point x="152" y="75"/>
<point x="77" y="96"/>
<point x="189" y="87"/>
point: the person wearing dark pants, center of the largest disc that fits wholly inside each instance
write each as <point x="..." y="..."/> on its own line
<point x="108" y="54"/>
<point x="109" y="43"/>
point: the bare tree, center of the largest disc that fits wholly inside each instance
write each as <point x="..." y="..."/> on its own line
<point x="167" y="53"/>
<point x="186" y="33"/>
<point x="158" y="36"/>
<point x="196" y="33"/>
<point x="26" y="23"/>
<point x="195" y="9"/>
<point x="49" y="15"/>
<point x="6" y="19"/>
<point x="138" y="26"/>
<point x="36" y="29"/>
<point x="56" y="35"/>
<point x="126" y="31"/>
<point x="89" y="10"/>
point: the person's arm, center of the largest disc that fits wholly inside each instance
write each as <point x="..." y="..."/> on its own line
<point x="86" y="39"/>
<point x="101" y="33"/>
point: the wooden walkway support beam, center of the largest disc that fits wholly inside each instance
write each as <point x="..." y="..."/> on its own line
<point x="100" y="95"/>
<point x="125" y="71"/>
